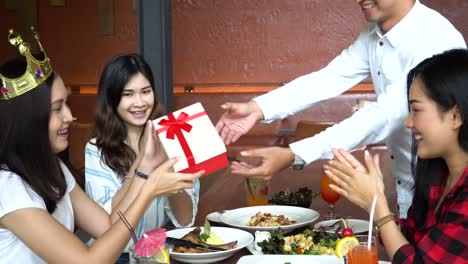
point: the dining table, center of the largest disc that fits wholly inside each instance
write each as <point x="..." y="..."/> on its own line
<point x="223" y="190"/>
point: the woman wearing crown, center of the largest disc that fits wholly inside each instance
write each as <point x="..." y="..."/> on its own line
<point x="126" y="100"/>
<point x="40" y="204"/>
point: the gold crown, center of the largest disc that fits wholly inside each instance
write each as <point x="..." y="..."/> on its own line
<point x="36" y="72"/>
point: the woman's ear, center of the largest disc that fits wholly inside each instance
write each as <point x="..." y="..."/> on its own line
<point x="457" y="119"/>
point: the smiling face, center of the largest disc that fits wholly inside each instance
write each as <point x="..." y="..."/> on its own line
<point x="60" y="117"/>
<point x="435" y="131"/>
<point x="137" y="101"/>
<point x="386" y="13"/>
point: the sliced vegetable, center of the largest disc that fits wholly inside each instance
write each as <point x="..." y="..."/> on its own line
<point x="206" y="231"/>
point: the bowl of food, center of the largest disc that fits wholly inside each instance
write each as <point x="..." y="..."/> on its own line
<point x="301" y="198"/>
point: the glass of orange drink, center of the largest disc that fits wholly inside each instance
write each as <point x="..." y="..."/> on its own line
<point x="256" y="191"/>
<point x="362" y="254"/>
<point x="328" y="194"/>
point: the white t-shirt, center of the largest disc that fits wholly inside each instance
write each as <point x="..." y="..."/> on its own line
<point x="16" y="194"/>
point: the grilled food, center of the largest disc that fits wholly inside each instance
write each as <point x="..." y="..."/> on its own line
<point x="194" y="236"/>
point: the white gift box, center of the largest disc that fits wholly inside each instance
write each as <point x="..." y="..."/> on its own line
<point x="189" y="134"/>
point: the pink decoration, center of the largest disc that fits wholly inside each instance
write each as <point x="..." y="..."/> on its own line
<point x="4" y="90"/>
<point x="151" y="242"/>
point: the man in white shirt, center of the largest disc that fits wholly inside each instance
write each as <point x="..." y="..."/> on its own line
<point x="401" y="34"/>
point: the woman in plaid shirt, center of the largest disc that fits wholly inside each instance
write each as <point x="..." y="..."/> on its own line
<point x="436" y="230"/>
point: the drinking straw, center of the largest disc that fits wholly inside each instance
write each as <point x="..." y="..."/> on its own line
<point x="371" y="220"/>
<point x="250" y="188"/>
<point x="130" y="228"/>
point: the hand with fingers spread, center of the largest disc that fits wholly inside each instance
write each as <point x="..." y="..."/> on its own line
<point x="273" y="159"/>
<point x="238" y="119"/>
<point x="353" y="180"/>
<point x="164" y="181"/>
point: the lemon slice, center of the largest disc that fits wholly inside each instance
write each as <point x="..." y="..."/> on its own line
<point x="345" y="245"/>
<point x="162" y="256"/>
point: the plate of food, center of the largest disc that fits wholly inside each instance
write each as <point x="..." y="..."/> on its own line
<point x="337" y="225"/>
<point x="269" y="218"/>
<point x="308" y="242"/>
<point x="230" y="239"/>
<point x="310" y="246"/>
<point x="293" y="259"/>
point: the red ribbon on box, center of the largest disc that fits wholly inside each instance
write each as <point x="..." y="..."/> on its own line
<point x="174" y="127"/>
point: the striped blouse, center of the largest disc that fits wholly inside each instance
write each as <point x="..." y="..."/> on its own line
<point x="102" y="183"/>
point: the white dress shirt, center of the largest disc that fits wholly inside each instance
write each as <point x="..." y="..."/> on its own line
<point x="387" y="58"/>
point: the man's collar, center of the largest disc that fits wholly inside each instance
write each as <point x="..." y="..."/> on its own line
<point x="398" y="32"/>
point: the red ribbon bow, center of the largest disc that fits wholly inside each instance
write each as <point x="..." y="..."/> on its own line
<point x="174" y="128"/>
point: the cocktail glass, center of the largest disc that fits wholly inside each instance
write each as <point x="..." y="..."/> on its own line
<point x="256" y="191"/>
<point x="328" y="195"/>
<point x="362" y="254"/>
<point x="136" y="259"/>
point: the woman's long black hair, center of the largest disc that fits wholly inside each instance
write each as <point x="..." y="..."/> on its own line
<point x="110" y="131"/>
<point x="24" y="138"/>
<point x="445" y="77"/>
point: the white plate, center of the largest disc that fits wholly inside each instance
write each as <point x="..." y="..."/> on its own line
<point x="251" y="248"/>
<point x="293" y="259"/>
<point x="240" y="217"/>
<point x="214" y="217"/>
<point x="243" y="239"/>
<point x="357" y="225"/>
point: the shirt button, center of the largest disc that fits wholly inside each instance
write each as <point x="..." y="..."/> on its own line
<point x="378" y="73"/>
<point x="399" y="182"/>
<point x="380" y="43"/>
<point x="392" y="157"/>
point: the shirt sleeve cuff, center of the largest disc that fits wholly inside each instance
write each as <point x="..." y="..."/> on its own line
<point x="400" y="256"/>
<point x="309" y="154"/>
<point x="263" y="103"/>
<point x="193" y="193"/>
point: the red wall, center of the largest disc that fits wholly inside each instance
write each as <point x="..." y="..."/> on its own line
<point x="77" y="48"/>
<point x="214" y="41"/>
<point x="259" y="41"/>
<point x="252" y="41"/>
<point x="6" y="50"/>
<point x="71" y="37"/>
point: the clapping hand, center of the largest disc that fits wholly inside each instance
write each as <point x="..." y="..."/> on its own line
<point x="149" y="156"/>
<point x="162" y="180"/>
<point x="354" y="181"/>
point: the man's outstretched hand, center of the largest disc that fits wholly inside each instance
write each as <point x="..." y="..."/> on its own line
<point x="272" y="160"/>
<point x="237" y="120"/>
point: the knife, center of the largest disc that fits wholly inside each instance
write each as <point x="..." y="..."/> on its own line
<point x="185" y="243"/>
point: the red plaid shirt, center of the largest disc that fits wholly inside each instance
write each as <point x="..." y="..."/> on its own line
<point x="444" y="236"/>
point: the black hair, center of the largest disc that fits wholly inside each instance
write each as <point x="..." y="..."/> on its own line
<point x="24" y="138"/>
<point x="110" y="131"/>
<point x="445" y="78"/>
